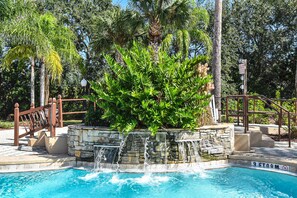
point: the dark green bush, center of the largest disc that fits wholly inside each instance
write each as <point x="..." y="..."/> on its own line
<point x="93" y="118"/>
<point x="142" y="93"/>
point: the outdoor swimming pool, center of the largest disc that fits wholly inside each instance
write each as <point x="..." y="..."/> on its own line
<point x="227" y="182"/>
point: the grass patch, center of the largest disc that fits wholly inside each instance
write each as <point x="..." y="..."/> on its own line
<point x="6" y="125"/>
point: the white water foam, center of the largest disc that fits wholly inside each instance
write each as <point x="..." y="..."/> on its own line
<point x="116" y="180"/>
<point x="146" y="180"/>
<point x="89" y="176"/>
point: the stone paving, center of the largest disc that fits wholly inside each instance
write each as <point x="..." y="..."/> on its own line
<point x="7" y="148"/>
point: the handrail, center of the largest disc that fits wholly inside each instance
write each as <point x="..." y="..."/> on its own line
<point x="245" y="112"/>
<point x="60" y="108"/>
<point x="35" y="119"/>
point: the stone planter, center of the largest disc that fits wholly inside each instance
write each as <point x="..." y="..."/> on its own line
<point x="169" y="146"/>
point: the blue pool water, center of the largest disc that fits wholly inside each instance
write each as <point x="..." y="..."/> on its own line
<point x="228" y="182"/>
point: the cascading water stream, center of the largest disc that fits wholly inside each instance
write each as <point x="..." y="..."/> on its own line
<point x="181" y="148"/>
<point x="99" y="156"/>
<point x="122" y="145"/>
<point x="146" y="155"/>
<point x="196" y="152"/>
<point x="190" y="152"/>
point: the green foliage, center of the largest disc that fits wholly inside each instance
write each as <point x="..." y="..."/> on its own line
<point x="258" y="105"/>
<point x="141" y="93"/>
<point x="6" y="125"/>
<point x="193" y="38"/>
<point x="263" y="32"/>
<point x="94" y="118"/>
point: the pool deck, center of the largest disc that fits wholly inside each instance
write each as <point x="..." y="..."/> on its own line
<point x="29" y="159"/>
<point x="14" y="160"/>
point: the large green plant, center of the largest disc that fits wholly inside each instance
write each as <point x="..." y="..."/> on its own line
<point x="142" y="93"/>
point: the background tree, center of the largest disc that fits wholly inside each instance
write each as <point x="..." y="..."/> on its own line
<point x="192" y="40"/>
<point x="158" y="14"/>
<point x="263" y="32"/>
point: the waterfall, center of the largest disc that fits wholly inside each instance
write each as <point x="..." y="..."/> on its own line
<point x="196" y="153"/>
<point x="122" y="145"/>
<point x="182" y="151"/>
<point x="189" y="149"/>
<point x="104" y="154"/>
<point x="146" y="154"/>
<point x="99" y="155"/>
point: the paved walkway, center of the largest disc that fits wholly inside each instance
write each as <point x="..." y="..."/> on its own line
<point x="7" y="148"/>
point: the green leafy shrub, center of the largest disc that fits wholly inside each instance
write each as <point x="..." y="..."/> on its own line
<point x="6" y="125"/>
<point x="93" y="118"/>
<point x="142" y="93"/>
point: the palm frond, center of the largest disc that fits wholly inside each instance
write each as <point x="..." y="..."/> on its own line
<point x="19" y="52"/>
<point x="53" y="64"/>
<point x="167" y="42"/>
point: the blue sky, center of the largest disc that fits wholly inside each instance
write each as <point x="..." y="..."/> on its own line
<point x="122" y="3"/>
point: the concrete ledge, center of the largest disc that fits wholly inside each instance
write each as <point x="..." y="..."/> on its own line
<point x="242" y="142"/>
<point x="267" y="142"/>
<point x="35" y="163"/>
<point x="270" y="130"/>
<point x="255" y="138"/>
<point x="158" y="168"/>
<point x="246" y="160"/>
<point x="56" y="145"/>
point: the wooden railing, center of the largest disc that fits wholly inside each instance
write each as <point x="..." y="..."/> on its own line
<point x="244" y="111"/>
<point x="35" y="119"/>
<point x="61" y="112"/>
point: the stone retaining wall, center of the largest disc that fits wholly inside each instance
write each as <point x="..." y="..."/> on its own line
<point x="167" y="147"/>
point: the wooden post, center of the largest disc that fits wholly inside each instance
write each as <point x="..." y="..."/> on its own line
<point x="52" y="118"/>
<point x="280" y="120"/>
<point x="295" y="112"/>
<point x="289" y="128"/>
<point x="254" y="109"/>
<point x="245" y="114"/>
<point x="227" y="110"/>
<point x="32" y="127"/>
<point x="60" y="111"/>
<point x="16" y="124"/>
<point x="237" y="111"/>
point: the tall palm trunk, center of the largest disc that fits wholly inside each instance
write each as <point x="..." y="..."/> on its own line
<point x="216" y="61"/>
<point x="155" y="36"/>
<point x="47" y="84"/>
<point x="32" y="81"/>
<point x="42" y="78"/>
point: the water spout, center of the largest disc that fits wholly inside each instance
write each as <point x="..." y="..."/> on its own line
<point x="122" y="145"/>
<point x="104" y="153"/>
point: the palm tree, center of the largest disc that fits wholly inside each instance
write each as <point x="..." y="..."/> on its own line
<point x="193" y="39"/>
<point x="24" y="41"/>
<point x="160" y="13"/>
<point x="216" y="61"/>
<point x="62" y="41"/>
<point x="38" y="38"/>
<point x="116" y="26"/>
